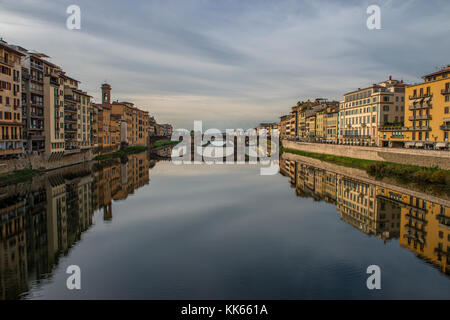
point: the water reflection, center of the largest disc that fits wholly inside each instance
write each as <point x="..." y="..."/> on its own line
<point x="42" y="219"/>
<point x="227" y="218"/>
<point x="420" y="222"/>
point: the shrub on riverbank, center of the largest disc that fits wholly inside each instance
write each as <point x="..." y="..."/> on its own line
<point x="410" y="173"/>
<point x="164" y="143"/>
<point x="123" y="152"/>
<point x="344" y="161"/>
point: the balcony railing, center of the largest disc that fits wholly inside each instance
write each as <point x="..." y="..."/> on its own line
<point x="69" y="119"/>
<point x="6" y="61"/>
<point x="445" y="127"/>
<point x="71" y="98"/>
<point x="419" y="128"/>
<point x="421" y="96"/>
<point x="357" y="136"/>
<point x="445" y="91"/>
<point x="420" y="106"/>
<point x="36" y="66"/>
<point x="70" y="108"/>
<point x="420" y="117"/>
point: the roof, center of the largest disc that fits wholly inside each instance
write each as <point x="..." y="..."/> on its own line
<point x="7" y="47"/>
<point x="443" y="70"/>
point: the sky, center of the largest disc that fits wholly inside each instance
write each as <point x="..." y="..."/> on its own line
<point x="231" y="63"/>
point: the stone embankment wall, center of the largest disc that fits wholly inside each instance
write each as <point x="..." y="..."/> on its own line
<point x="418" y="157"/>
<point x="43" y="162"/>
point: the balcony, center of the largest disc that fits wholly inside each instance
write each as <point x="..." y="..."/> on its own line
<point x="419" y="128"/>
<point x="424" y="95"/>
<point x="357" y="136"/>
<point x="36" y="104"/>
<point x="36" y="137"/>
<point x="420" y="117"/>
<point x="70" y="129"/>
<point x="71" y="98"/>
<point x="36" y="66"/>
<point x="11" y="138"/>
<point x="445" y="127"/>
<point x="70" y="119"/>
<point x="7" y="62"/>
<point x="37" y="115"/>
<point x="445" y="91"/>
<point x="70" y="109"/>
<point x="4" y="152"/>
<point x="420" y="106"/>
<point x="37" y="128"/>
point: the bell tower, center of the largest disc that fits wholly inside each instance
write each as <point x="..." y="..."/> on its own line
<point x="106" y="94"/>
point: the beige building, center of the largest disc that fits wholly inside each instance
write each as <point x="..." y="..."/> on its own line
<point x="364" y="111"/>
<point x="77" y="110"/>
<point x="10" y="101"/>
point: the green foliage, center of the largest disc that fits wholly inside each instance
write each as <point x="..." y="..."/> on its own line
<point x="122" y="152"/>
<point x="158" y="144"/>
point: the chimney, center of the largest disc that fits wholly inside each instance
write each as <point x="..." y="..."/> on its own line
<point x="390" y="77"/>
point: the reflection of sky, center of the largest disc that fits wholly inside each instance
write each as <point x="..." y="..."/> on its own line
<point x="227" y="232"/>
<point x="213" y="60"/>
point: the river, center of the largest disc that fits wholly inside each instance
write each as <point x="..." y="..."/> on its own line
<point x="147" y="229"/>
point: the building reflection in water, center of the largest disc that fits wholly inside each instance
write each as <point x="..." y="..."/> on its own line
<point x="420" y="223"/>
<point x="41" y="220"/>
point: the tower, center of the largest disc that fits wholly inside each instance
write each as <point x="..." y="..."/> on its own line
<point x="106" y="94"/>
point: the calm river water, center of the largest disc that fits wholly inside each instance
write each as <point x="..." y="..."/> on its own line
<point x="145" y="229"/>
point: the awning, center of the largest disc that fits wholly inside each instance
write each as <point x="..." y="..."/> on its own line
<point x="419" y="144"/>
<point x="426" y="99"/>
<point x="441" y="145"/>
<point x="409" y="144"/>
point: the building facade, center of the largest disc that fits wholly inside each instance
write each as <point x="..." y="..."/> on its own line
<point x="363" y="112"/>
<point x="427" y="115"/>
<point x="11" y="144"/>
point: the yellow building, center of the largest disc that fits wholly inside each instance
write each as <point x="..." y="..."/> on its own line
<point x="285" y="126"/>
<point x="330" y="124"/>
<point x="10" y="101"/>
<point x="427" y="115"/>
<point x="424" y="227"/>
<point x="137" y="122"/>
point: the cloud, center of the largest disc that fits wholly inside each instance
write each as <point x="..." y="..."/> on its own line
<point x="231" y="63"/>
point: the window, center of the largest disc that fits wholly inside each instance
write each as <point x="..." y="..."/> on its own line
<point x="385" y="108"/>
<point x="446" y="110"/>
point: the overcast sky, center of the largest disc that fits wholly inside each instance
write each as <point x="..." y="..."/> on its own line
<point x="231" y="63"/>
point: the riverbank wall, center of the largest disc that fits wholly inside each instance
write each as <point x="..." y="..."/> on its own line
<point x="418" y="157"/>
<point x="44" y="162"/>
